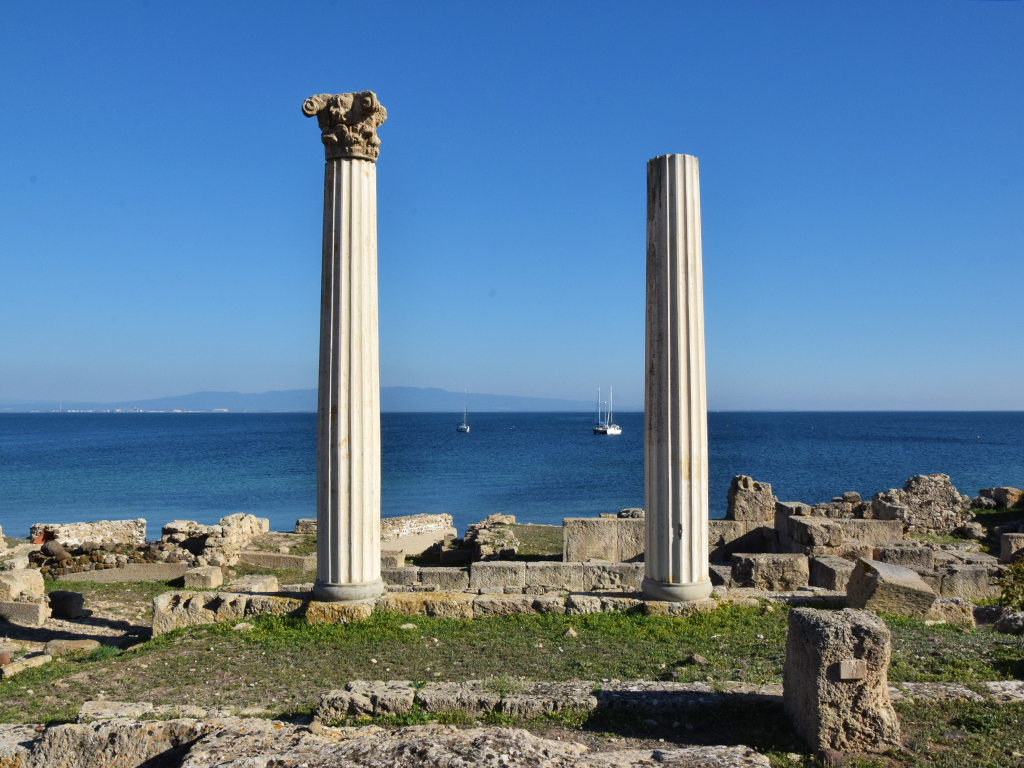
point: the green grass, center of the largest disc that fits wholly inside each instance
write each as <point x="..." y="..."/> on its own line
<point x="991" y="518"/>
<point x="539" y="541"/>
<point x="947" y="653"/>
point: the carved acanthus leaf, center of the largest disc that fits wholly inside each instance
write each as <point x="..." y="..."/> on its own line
<point x="348" y="123"/>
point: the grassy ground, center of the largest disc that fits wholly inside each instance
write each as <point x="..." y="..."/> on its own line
<point x="539" y="542"/>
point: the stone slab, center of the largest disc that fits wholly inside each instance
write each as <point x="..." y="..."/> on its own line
<point x="14" y="584"/>
<point x="886" y="588"/>
<point x="447" y="579"/>
<point x="276" y="561"/>
<point x="497" y="573"/>
<point x="131" y="572"/>
<point x="773" y="572"/>
<point x="204" y="577"/>
<point x="25" y="614"/>
<point x="831" y="573"/>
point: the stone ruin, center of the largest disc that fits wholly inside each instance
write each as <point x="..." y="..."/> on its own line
<point x="202" y="545"/>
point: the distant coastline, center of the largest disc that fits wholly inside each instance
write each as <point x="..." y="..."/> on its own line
<point x="392" y="400"/>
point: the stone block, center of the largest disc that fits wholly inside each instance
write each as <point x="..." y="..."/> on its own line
<point x="579" y="605"/>
<point x="953" y="610"/>
<point x="969" y="582"/>
<point x="400" y="576"/>
<point x="362" y="698"/>
<point x="103" y="709"/>
<point x="787" y="509"/>
<point x="589" y="538"/>
<point x="503" y="605"/>
<point x="15" y="584"/>
<point x="571" y="577"/>
<point x="204" y="577"/>
<point x="442" y="605"/>
<point x="727" y="537"/>
<point x="774" y="572"/>
<point x="62" y="647"/>
<point x="906" y="555"/>
<point x="1005" y="496"/>
<point x="338" y="613"/>
<point x="497" y="573"/>
<point x="680" y="610"/>
<point x="750" y="500"/>
<point x="618" y="577"/>
<point x="67" y="605"/>
<point x="75" y="534"/>
<point x="447" y="579"/>
<point x="472" y="698"/>
<point x="253" y="584"/>
<point x="306" y="526"/>
<point x="392" y="559"/>
<point x="24" y="613"/>
<point x="831" y="573"/>
<point x="25" y="662"/>
<point x="871" y="531"/>
<point x="1011" y="546"/>
<point x="848" y="712"/>
<point x="631" y="543"/>
<point x="815" y="532"/>
<point x="885" y="588"/>
<point x="174" y="610"/>
<point x="276" y="561"/>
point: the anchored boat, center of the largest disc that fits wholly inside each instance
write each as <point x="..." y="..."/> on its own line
<point x="606" y="426"/>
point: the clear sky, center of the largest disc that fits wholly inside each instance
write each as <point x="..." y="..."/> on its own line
<point x="862" y="180"/>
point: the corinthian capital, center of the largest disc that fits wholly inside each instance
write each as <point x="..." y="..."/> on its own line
<point x="348" y="123"/>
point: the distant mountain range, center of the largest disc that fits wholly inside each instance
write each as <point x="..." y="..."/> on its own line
<point x="392" y="399"/>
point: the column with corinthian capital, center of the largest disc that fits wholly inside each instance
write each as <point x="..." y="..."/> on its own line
<point x="675" y="400"/>
<point x="348" y="406"/>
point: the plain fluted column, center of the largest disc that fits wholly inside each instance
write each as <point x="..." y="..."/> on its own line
<point x="348" y="406"/>
<point x="675" y="400"/>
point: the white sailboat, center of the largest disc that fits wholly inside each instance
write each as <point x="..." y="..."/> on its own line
<point x="606" y="426"/>
<point x="464" y="426"/>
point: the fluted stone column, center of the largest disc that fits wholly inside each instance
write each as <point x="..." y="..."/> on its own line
<point x="675" y="401"/>
<point x="348" y="406"/>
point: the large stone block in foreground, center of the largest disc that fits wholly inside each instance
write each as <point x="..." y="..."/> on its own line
<point x="887" y="588"/>
<point x="835" y="684"/>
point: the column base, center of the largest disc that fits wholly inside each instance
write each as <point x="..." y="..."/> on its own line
<point x="337" y="593"/>
<point x="676" y="593"/>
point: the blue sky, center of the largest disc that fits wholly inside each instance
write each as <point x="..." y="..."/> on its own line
<point x="862" y="178"/>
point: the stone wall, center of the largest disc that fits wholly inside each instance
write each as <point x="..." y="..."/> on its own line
<point x="413" y="525"/>
<point x="612" y="538"/>
<point x="76" y="534"/>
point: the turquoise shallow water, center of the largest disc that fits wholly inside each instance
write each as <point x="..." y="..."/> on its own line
<point x="540" y="467"/>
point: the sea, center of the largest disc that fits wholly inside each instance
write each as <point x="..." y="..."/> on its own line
<point x="540" y="467"/>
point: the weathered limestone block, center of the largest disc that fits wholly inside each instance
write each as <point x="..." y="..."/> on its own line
<point x="61" y="647"/>
<point x="927" y="503"/>
<point x="870" y="531"/>
<point x="279" y="561"/>
<point x="253" y="584"/>
<point x="783" y="573"/>
<point x="362" y="698"/>
<point x="578" y="605"/>
<point x="969" y="582"/>
<point x="28" y="614"/>
<point x="403" y="527"/>
<point x="25" y="662"/>
<point x="75" y="534"/>
<point x="400" y="576"/>
<point x="14" y="584"/>
<point x="1011" y="546"/>
<point x="306" y="526"/>
<point x="681" y="610"/>
<point x="67" y="605"/>
<point x="831" y="573"/>
<point x="571" y="577"/>
<point x="885" y="588"/>
<point x="834" y="510"/>
<point x="630" y="546"/>
<point x="727" y="537"/>
<point x="750" y="500"/>
<point x="589" y="538"/>
<point x="1011" y="498"/>
<point x="497" y="573"/>
<point x="318" y="612"/>
<point x="392" y="559"/>
<point x="1009" y="624"/>
<point x="541" y="698"/>
<point x="953" y="610"/>
<point x="443" y="605"/>
<point x="447" y="579"/>
<point x="549" y="604"/>
<point x="503" y="605"/>
<point x="472" y="697"/>
<point x="109" y="710"/>
<point x="619" y="577"/>
<point x="174" y="610"/>
<point x="204" y="577"/>
<point x="906" y="555"/>
<point x="116" y="743"/>
<point x="613" y="604"/>
<point x="848" y="712"/>
<point x="815" y="532"/>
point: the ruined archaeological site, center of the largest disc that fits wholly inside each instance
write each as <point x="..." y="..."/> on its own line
<point x="881" y="630"/>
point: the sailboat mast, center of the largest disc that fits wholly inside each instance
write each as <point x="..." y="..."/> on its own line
<point x="610" y="408"/>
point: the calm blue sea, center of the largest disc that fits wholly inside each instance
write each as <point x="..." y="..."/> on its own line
<point x="540" y="467"/>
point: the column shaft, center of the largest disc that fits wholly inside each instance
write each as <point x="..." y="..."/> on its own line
<point x="348" y="409"/>
<point x="675" y="401"/>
